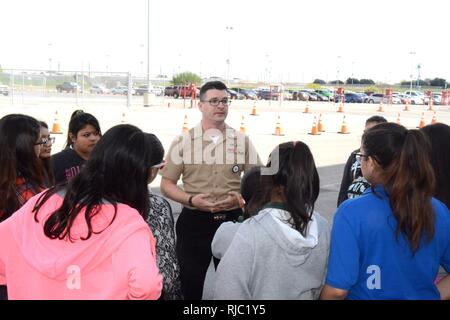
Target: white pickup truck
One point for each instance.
(4, 90)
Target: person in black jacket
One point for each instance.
(83, 134)
(353, 183)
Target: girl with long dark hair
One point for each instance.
(89, 239)
(280, 251)
(21, 173)
(439, 136)
(83, 134)
(389, 243)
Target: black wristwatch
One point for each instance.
(190, 201)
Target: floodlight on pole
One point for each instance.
(148, 46)
(418, 75)
(50, 57)
(410, 85)
(337, 70)
(229, 29)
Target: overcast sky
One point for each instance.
(283, 40)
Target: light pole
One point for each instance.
(107, 62)
(353, 63)
(141, 60)
(337, 70)
(229, 29)
(179, 64)
(410, 85)
(148, 46)
(418, 75)
(267, 70)
(50, 57)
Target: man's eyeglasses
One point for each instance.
(215, 102)
(50, 140)
(358, 156)
(159, 165)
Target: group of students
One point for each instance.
(85, 225)
(386, 242)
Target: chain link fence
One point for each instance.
(24, 85)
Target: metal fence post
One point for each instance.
(11, 84)
(130, 87)
(44, 85)
(76, 90)
(23, 85)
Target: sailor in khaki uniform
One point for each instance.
(210, 160)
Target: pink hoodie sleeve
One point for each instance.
(137, 259)
(2, 273)
(3, 240)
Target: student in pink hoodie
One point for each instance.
(89, 239)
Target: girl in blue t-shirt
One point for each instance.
(389, 243)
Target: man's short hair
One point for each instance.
(218, 85)
(377, 119)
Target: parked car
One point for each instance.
(353, 97)
(374, 98)
(311, 95)
(122, 90)
(403, 98)
(379, 97)
(300, 95)
(99, 89)
(4, 90)
(287, 95)
(179, 91)
(266, 94)
(436, 99)
(326, 92)
(318, 96)
(68, 87)
(235, 95)
(157, 90)
(139, 91)
(413, 99)
(415, 94)
(363, 95)
(409, 99)
(248, 93)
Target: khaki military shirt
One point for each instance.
(211, 161)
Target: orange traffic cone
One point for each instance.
(398, 118)
(314, 130)
(344, 129)
(422, 121)
(380, 107)
(185, 124)
(56, 128)
(341, 106)
(433, 120)
(320, 126)
(242, 129)
(406, 108)
(254, 110)
(278, 131)
(306, 108)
